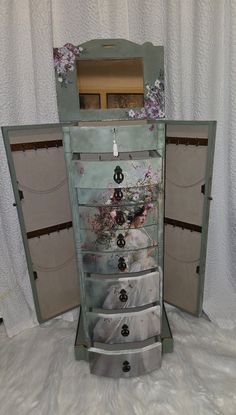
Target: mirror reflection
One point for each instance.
(110, 83)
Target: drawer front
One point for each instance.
(125, 364)
(117, 262)
(119, 293)
(124, 327)
(120, 174)
(117, 196)
(120, 240)
(107, 218)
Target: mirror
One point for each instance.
(110, 83)
(110, 77)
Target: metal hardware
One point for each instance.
(121, 264)
(125, 330)
(126, 366)
(21, 194)
(183, 225)
(36, 145)
(188, 141)
(123, 297)
(35, 275)
(197, 269)
(203, 188)
(118, 194)
(120, 218)
(118, 175)
(48, 230)
(120, 241)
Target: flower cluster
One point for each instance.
(154, 103)
(64, 61)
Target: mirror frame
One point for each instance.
(68, 96)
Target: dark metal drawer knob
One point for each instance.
(120, 241)
(121, 264)
(118, 194)
(118, 175)
(123, 297)
(120, 218)
(126, 366)
(125, 330)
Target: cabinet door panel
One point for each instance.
(36, 161)
(189, 165)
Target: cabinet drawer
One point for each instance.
(120, 240)
(118, 173)
(117, 262)
(124, 327)
(116, 196)
(122, 292)
(107, 218)
(125, 363)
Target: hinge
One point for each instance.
(35, 275)
(197, 269)
(21, 194)
(203, 189)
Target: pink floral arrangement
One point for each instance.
(64, 61)
(154, 103)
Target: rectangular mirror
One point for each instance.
(110, 77)
(110, 83)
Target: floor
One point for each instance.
(39, 376)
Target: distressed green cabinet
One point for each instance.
(119, 243)
(76, 256)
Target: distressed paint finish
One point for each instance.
(102, 224)
(68, 98)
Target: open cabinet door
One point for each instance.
(36, 161)
(189, 164)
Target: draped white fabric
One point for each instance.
(200, 60)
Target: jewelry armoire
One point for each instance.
(114, 208)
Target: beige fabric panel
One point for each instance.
(41, 175)
(53, 258)
(185, 173)
(29, 135)
(187, 130)
(182, 253)
(42, 178)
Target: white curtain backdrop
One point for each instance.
(200, 69)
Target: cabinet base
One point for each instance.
(81, 347)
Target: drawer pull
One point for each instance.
(118, 194)
(120, 241)
(118, 175)
(125, 330)
(123, 297)
(126, 366)
(121, 264)
(120, 218)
